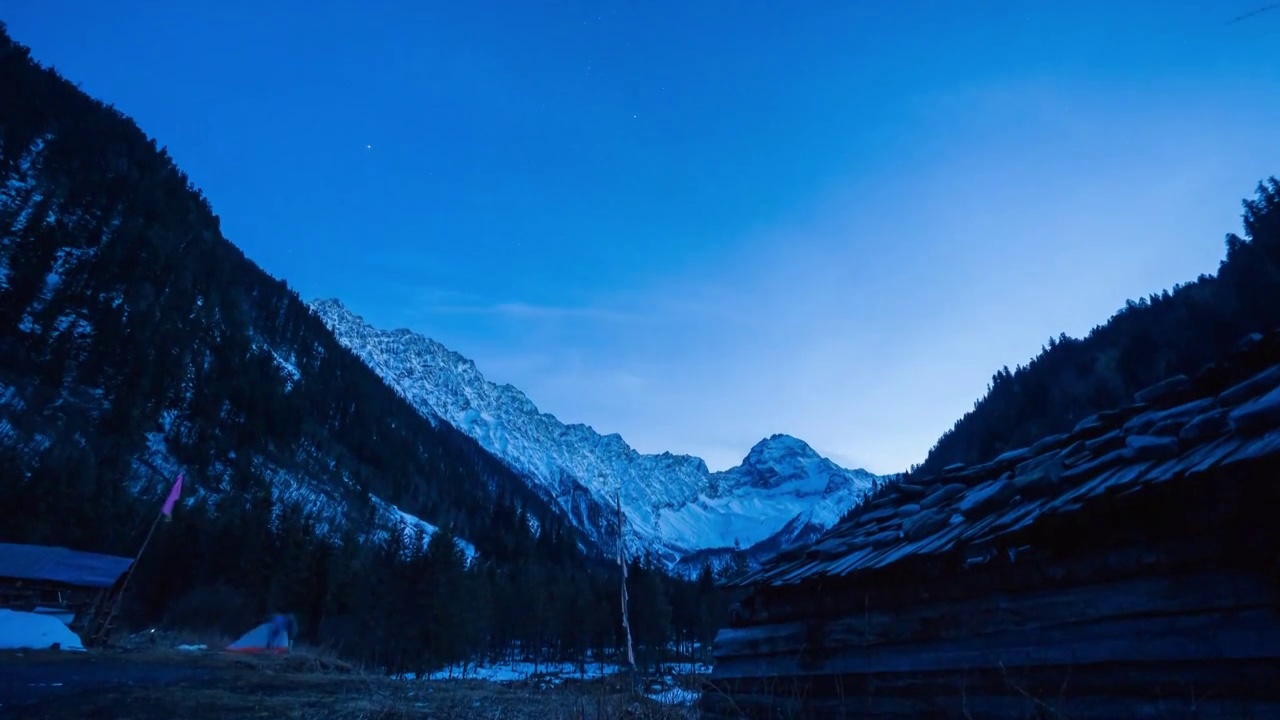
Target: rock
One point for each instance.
(1034, 487)
(1053, 442)
(881, 502)
(1257, 415)
(877, 515)
(1105, 443)
(1075, 454)
(1143, 424)
(1166, 392)
(983, 498)
(1251, 388)
(924, 524)
(1248, 343)
(907, 511)
(1147, 447)
(1209, 425)
(1077, 459)
(1013, 457)
(952, 468)
(942, 495)
(1167, 428)
(882, 539)
(834, 547)
(1040, 482)
(1116, 417)
(973, 474)
(1073, 449)
(1210, 379)
(910, 491)
(1089, 427)
(1036, 463)
(1097, 465)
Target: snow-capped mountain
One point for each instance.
(781, 493)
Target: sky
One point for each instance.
(698, 223)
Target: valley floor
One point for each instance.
(160, 683)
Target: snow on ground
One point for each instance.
(669, 688)
(31, 631)
(675, 696)
(515, 671)
(288, 368)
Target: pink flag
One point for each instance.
(173, 497)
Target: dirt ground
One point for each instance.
(165, 684)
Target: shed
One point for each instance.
(1128, 568)
(70, 584)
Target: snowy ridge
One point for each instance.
(675, 507)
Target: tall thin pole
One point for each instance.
(626, 624)
(115, 603)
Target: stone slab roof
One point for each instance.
(1226, 414)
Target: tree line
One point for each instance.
(1175, 331)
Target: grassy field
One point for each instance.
(161, 684)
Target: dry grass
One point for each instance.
(175, 684)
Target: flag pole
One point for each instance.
(165, 512)
(115, 602)
(626, 624)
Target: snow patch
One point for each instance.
(412, 522)
(32, 631)
(675, 696)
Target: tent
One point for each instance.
(257, 639)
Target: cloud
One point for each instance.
(533, 311)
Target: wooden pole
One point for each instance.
(626, 624)
(115, 603)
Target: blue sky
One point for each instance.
(700, 223)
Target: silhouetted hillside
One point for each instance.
(1177, 331)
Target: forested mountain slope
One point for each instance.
(137, 342)
(1174, 332)
(124, 313)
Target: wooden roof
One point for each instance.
(1226, 414)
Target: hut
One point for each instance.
(1128, 568)
(72, 585)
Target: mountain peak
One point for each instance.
(781, 456)
(779, 443)
(674, 504)
(329, 305)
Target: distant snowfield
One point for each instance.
(751, 515)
